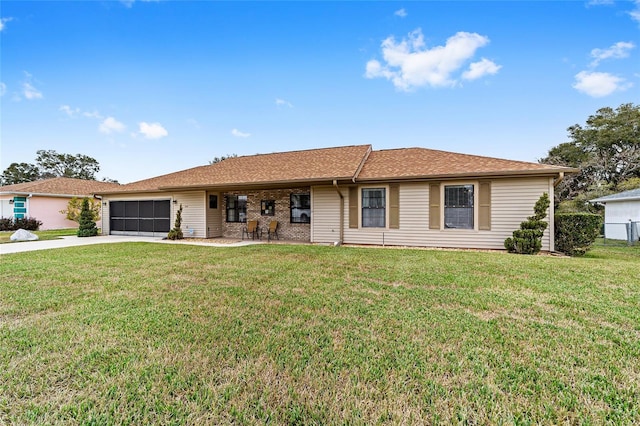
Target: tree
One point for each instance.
(79, 166)
(50, 164)
(528, 239)
(74, 208)
(222, 158)
(176, 232)
(606, 150)
(19, 173)
(87, 226)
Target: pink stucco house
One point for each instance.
(44, 199)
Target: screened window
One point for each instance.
(236, 208)
(458, 206)
(300, 208)
(373, 207)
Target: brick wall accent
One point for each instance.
(286, 229)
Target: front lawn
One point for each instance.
(142, 333)
(52, 234)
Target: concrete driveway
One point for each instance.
(72, 241)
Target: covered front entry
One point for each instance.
(140, 217)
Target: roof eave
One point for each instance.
(496, 174)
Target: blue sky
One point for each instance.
(152, 87)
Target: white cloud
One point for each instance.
(635, 13)
(93, 114)
(599, 84)
(400, 12)
(111, 125)
(282, 102)
(152, 130)
(3, 89)
(480, 69)
(619, 50)
(409, 64)
(71, 112)
(30, 92)
(3, 21)
(600, 2)
(238, 134)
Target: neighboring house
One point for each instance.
(350, 194)
(619, 210)
(44, 199)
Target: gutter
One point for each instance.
(335, 185)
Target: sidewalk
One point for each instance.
(73, 241)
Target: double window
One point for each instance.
(458, 206)
(300, 208)
(373, 207)
(236, 208)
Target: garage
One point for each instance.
(140, 217)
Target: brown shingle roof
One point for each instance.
(60, 186)
(409, 163)
(312, 165)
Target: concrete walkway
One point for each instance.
(73, 241)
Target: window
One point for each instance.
(373, 207)
(213, 201)
(458, 206)
(300, 208)
(268, 207)
(236, 208)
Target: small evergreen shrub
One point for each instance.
(87, 226)
(575, 233)
(176, 232)
(27, 223)
(528, 239)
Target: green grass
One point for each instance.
(52, 234)
(144, 333)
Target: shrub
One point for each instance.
(6, 224)
(176, 232)
(27, 223)
(528, 239)
(576, 232)
(87, 226)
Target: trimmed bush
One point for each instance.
(176, 232)
(87, 226)
(528, 239)
(27, 223)
(575, 233)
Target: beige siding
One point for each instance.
(512, 201)
(325, 214)
(193, 209)
(193, 213)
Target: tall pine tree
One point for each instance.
(88, 226)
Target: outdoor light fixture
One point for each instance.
(175, 201)
(11, 201)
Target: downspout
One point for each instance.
(559, 179)
(335, 185)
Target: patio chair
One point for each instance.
(272, 230)
(251, 229)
